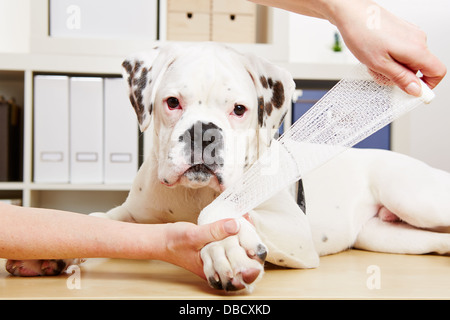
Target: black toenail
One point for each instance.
(230, 287)
(215, 284)
(261, 252)
(61, 265)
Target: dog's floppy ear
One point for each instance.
(143, 73)
(274, 88)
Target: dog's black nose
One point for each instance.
(203, 144)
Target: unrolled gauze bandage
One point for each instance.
(357, 106)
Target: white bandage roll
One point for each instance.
(357, 106)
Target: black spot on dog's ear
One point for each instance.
(127, 66)
(129, 69)
(138, 107)
(268, 107)
(278, 95)
(150, 109)
(137, 66)
(138, 99)
(137, 81)
(263, 81)
(141, 81)
(260, 111)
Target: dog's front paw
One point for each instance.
(34, 268)
(237, 262)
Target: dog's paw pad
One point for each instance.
(34, 268)
(249, 276)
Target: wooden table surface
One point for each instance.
(352, 274)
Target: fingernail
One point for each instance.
(414, 89)
(231, 226)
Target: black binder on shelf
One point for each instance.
(11, 141)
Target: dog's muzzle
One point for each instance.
(203, 151)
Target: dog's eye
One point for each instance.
(173, 103)
(239, 110)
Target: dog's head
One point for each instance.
(212, 110)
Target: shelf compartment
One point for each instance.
(11, 125)
(12, 196)
(80, 201)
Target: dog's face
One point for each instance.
(213, 110)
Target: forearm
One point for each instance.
(28, 233)
(324, 9)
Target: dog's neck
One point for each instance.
(172, 204)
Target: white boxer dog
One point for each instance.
(209, 113)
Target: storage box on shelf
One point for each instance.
(233, 21)
(217, 20)
(188, 20)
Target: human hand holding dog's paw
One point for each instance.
(183, 242)
(236, 262)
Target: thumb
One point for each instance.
(218, 230)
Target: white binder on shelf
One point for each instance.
(86, 130)
(121, 134)
(51, 129)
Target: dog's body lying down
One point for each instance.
(210, 112)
